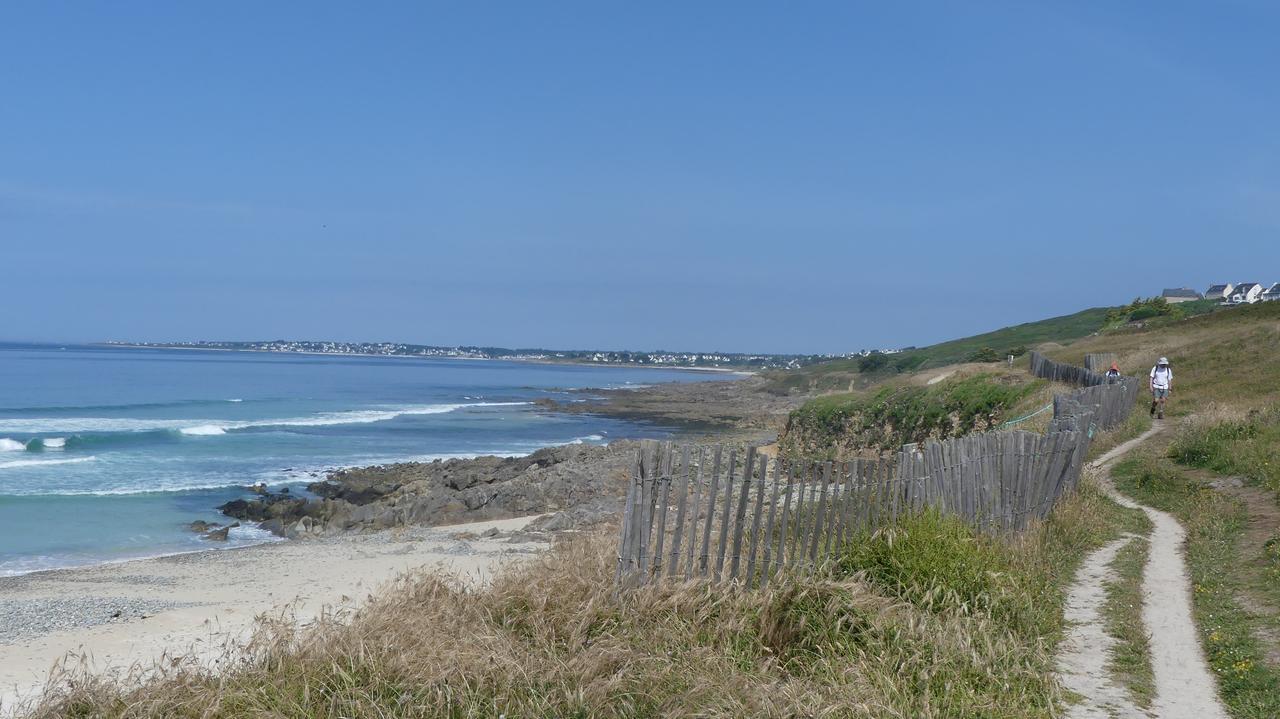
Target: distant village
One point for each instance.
(1244, 293)
(660, 358)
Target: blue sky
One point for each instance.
(738, 176)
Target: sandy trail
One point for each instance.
(219, 594)
(1082, 656)
(1184, 685)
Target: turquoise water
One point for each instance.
(109, 453)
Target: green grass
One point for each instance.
(847, 375)
(831, 425)
(1213, 521)
(1130, 662)
(1247, 447)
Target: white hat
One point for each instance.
(1163, 360)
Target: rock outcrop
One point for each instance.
(583, 482)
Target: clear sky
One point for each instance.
(794, 177)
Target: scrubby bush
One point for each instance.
(986, 354)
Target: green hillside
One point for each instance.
(859, 372)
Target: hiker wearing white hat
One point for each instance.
(1161, 385)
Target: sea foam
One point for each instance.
(203, 430)
(11, 445)
(35, 425)
(44, 462)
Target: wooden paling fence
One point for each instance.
(741, 516)
(1109, 400)
(1042, 366)
(1099, 361)
(1107, 404)
(736, 515)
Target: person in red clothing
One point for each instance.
(1113, 374)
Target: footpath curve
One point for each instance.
(1184, 685)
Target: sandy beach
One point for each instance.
(117, 615)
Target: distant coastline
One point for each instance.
(745, 369)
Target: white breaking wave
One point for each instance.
(203, 429)
(44, 462)
(11, 445)
(124, 424)
(588, 438)
(235, 400)
(54, 442)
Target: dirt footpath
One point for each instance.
(1184, 685)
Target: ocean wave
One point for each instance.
(44, 462)
(121, 407)
(11, 445)
(203, 430)
(132, 490)
(52, 442)
(38, 425)
(588, 438)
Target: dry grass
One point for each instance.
(1227, 357)
(925, 620)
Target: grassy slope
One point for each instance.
(1227, 370)
(898, 413)
(844, 374)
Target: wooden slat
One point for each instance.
(820, 516)
(624, 538)
(646, 508)
(865, 472)
(767, 563)
(724, 519)
(763, 471)
(784, 536)
(800, 517)
(681, 495)
(704, 564)
(739, 523)
(831, 515)
(693, 519)
(664, 501)
(842, 507)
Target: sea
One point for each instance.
(110, 453)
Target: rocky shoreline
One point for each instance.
(574, 485)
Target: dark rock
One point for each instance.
(202, 526)
(217, 535)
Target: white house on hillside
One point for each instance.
(1273, 294)
(1245, 293)
(1220, 292)
(1180, 294)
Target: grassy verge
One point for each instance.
(1248, 447)
(1213, 522)
(897, 414)
(1131, 656)
(927, 619)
